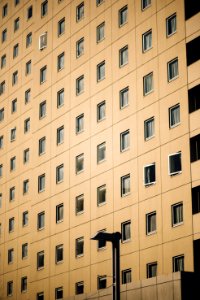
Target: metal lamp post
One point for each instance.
(114, 238)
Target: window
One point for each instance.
(61, 26)
(28, 39)
(3, 61)
(40, 220)
(9, 288)
(178, 263)
(101, 111)
(59, 173)
(40, 260)
(15, 50)
(59, 293)
(16, 24)
(193, 98)
(43, 74)
(60, 135)
(177, 214)
(79, 204)
(24, 284)
(192, 52)
(80, 85)
(147, 41)
(59, 254)
(101, 195)
(14, 106)
(1, 170)
(29, 12)
(174, 163)
(101, 282)
(59, 212)
(101, 152)
(60, 98)
(149, 174)
(27, 123)
(15, 78)
(13, 163)
(172, 69)
(2, 87)
(1, 197)
(1, 141)
(4, 35)
(101, 244)
(80, 12)
(196, 199)
(42, 144)
(101, 71)
(26, 156)
(42, 109)
(40, 296)
(79, 247)
(191, 9)
(1, 114)
(126, 231)
(41, 183)
(124, 140)
(10, 255)
(195, 148)
(44, 8)
(25, 186)
(100, 32)
(149, 128)
(11, 224)
(16, 2)
(145, 4)
(28, 67)
(79, 287)
(27, 96)
(125, 185)
(123, 15)
(79, 123)
(13, 134)
(99, 2)
(5, 10)
(147, 84)
(123, 56)
(174, 115)
(12, 194)
(171, 25)
(43, 41)
(79, 163)
(25, 218)
(152, 270)
(151, 223)
(60, 61)
(80, 47)
(126, 276)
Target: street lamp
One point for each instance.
(114, 238)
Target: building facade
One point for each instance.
(99, 131)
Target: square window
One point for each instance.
(196, 200)
(60, 135)
(79, 204)
(174, 163)
(42, 109)
(101, 244)
(125, 185)
(80, 12)
(29, 12)
(171, 25)
(10, 255)
(152, 270)
(15, 50)
(2, 87)
(145, 4)
(28, 39)
(59, 254)
(16, 24)
(151, 223)
(80, 47)
(40, 220)
(79, 247)
(101, 111)
(60, 61)
(28, 68)
(79, 163)
(101, 152)
(41, 183)
(178, 263)
(60, 98)
(149, 128)
(79, 123)
(11, 224)
(43, 74)
(172, 69)
(1, 141)
(59, 173)
(1, 114)
(101, 195)
(61, 26)
(14, 106)
(147, 41)
(101, 71)
(24, 284)
(101, 282)
(15, 78)
(40, 296)
(9, 288)
(27, 124)
(44, 8)
(25, 218)
(100, 32)
(26, 156)
(27, 96)
(174, 115)
(25, 186)
(123, 56)
(12, 194)
(126, 276)
(149, 174)
(124, 140)
(42, 144)
(79, 287)
(40, 260)
(123, 15)
(5, 10)
(80, 85)
(59, 293)
(123, 96)
(177, 214)
(126, 231)
(3, 61)
(148, 84)
(59, 213)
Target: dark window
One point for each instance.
(151, 223)
(28, 39)
(79, 204)
(24, 250)
(171, 25)
(59, 253)
(14, 106)
(42, 109)
(152, 270)
(15, 78)
(101, 244)
(59, 212)
(60, 135)
(192, 51)
(44, 8)
(40, 220)
(195, 148)
(25, 186)
(80, 85)
(60, 98)
(15, 50)
(177, 214)
(98, 2)
(59, 173)
(3, 61)
(145, 3)
(9, 288)
(80, 12)
(12, 193)
(191, 8)
(10, 255)
(43, 74)
(101, 111)
(194, 98)
(16, 24)
(41, 183)
(196, 200)
(40, 296)
(23, 284)
(123, 56)
(59, 293)
(80, 47)
(30, 12)
(101, 71)
(28, 68)
(26, 156)
(61, 26)
(79, 247)
(5, 10)
(1, 114)
(101, 195)
(126, 276)
(11, 224)
(175, 163)
(101, 282)
(196, 249)
(125, 185)
(123, 15)
(79, 287)
(79, 123)
(79, 163)
(4, 35)
(149, 174)
(100, 31)
(41, 146)
(25, 218)
(27, 96)
(27, 123)
(40, 259)
(60, 61)
(178, 263)
(126, 231)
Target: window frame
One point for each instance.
(101, 71)
(9, 288)
(144, 35)
(61, 27)
(174, 258)
(41, 188)
(28, 68)
(3, 61)
(16, 24)
(99, 36)
(145, 78)
(42, 146)
(79, 242)
(60, 135)
(99, 111)
(40, 264)
(27, 125)
(10, 256)
(25, 218)
(59, 173)
(100, 279)
(169, 64)
(150, 271)
(28, 39)
(170, 115)
(24, 250)
(81, 285)
(60, 96)
(11, 224)
(125, 239)
(29, 12)
(25, 186)
(44, 8)
(101, 152)
(80, 50)
(148, 222)
(79, 13)
(146, 184)
(123, 178)
(79, 198)
(15, 78)
(122, 22)
(41, 220)
(81, 158)
(79, 85)
(123, 61)
(80, 123)
(61, 61)
(101, 189)
(175, 172)
(124, 147)
(59, 250)
(168, 19)
(175, 222)
(42, 109)
(146, 6)
(4, 35)
(57, 290)
(59, 213)
(43, 74)
(124, 274)
(24, 284)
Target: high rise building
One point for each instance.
(99, 131)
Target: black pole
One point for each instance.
(114, 270)
(117, 270)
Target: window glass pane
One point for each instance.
(148, 83)
(174, 115)
(171, 24)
